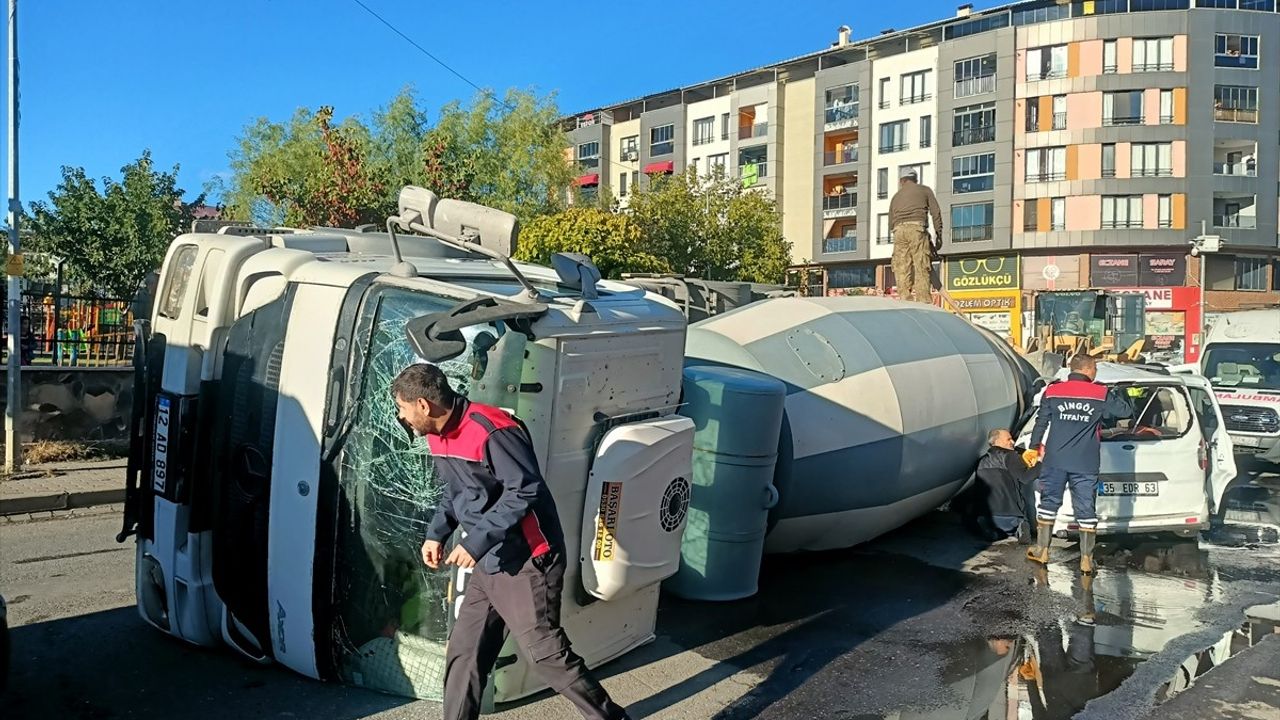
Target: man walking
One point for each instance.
(1072, 412)
(495, 493)
(911, 207)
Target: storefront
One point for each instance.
(1172, 309)
(986, 291)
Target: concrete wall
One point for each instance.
(798, 157)
(81, 404)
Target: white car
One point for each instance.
(1166, 468)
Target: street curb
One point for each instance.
(60, 501)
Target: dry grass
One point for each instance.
(58, 451)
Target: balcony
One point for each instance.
(589, 163)
(1153, 67)
(1238, 115)
(662, 148)
(840, 157)
(838, 206)
(748, 132)
(841, 244)
(1244, 222)
(1236, 60)
(1046, 74)
(972, 233)
(916, 99)
(841, 116)
(603, 117)
(975, 86)
(1244, 169)
(1147, 172)
(885, 149)
(972, 136)
(1046, 177)
(1121, 120)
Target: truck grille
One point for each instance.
(1243, 418)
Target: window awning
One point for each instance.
(588, 180)
(659, 167)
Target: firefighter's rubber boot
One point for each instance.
(1044, 535)
(1089, 616)
(1087, 540)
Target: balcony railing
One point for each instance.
(885, 239)
(843, 205)
(704, 140)
(1108, 172)
(970, 136)
(1110, 69)
(1116, 120)
(845, 155)
(845, 115)
(1046, 177)
(1165, 223)
(1060, 121)
(1121, 224)
(1247, 169)
(971, 233)
(882, 193)
(1248, 62)
(893, 148)
(1046, 74)
(662, 148)
(1240, 115)
(1151, 172)
(884, 104)
(589, 163)
(1248, 222)
(761, 169)
(844, 243)
(975, 86)
(1153, 67)
(747, 132)
(1166, 119)
(914, 99)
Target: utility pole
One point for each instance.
(13, 404)
(1201, 246)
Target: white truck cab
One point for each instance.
(279, 506)
(1241, 359)
(1166, 468)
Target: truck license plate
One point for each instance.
(160, 471)
(1248, 441)
(1130, 488)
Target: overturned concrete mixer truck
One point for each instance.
(279, 506)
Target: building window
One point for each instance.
(1236, 51)
(915, 88)
(851, 277)
(1109, 160)
(1033, 114)
(704, 130)
(893, 136)
(1151, 160)
(1121, 211)
(884, 93)
(662, 140)
(974, 124)
(588, 194)
(1046, 12)
(589, 154)
(973, 173)
(717, 164)
(882, 183)
(883, 234)
(1109, 66)
(842, 104)
(1251, 273)
(920, 169)
(1031, 215)
(628, 148)
(1058, 213)
(622, 184)
(1046, 63)
(972, 223)
(1165, 204)
(1263, 5)
(926, 131)
(981, 24)
(975, 76)
(1122, 108)
(724, 126)
(1059, 112)
(1153, 54)
(1235, 103)
(1046, 164)
(1166, 107)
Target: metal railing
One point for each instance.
(71, 331)
(1247, 222)
(975, 86)
(845, 155)
(1110, 69)
(1120, 120)
(747, 132)
(1121, 224)
(1049, 74)
(972, 233)
(1153, 67)
(893, 148)
(840, 202)
(971, 136)
(915, 99)
(1108, 172)
(1240, 115)
(1166, 119)
(885, 239)
(1046, 177)
(843, 243)
(704, 140)
(884, 104)
(1151, 172)
(1239, 168)
(1060, 121)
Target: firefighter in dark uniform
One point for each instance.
(495, 494)
(1071, 412)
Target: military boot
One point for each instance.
(1088, 538)
(1044, 535)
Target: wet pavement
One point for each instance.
(925, 623)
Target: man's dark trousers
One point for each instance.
(528, 603)
(1084, 496)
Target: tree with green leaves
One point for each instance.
(611, 240)
(712, 228)
(312, 170)
(110, 239)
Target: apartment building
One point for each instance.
(1072, 144)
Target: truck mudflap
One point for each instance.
(139, 503)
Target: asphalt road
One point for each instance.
(925, 622)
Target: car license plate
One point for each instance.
(1130, 488)
(160, 465)
(1248, 441)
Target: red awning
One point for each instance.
(592, 179)
(659, 167)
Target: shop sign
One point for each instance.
(1000, 272)
(1107, 271)
(1162, 270)
(974, 304)
(1157, 298)
(997, 322)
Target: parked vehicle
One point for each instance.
(1241, 359)
(1166, 468)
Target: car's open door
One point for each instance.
(1221, 451)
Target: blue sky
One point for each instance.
(101, 81)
